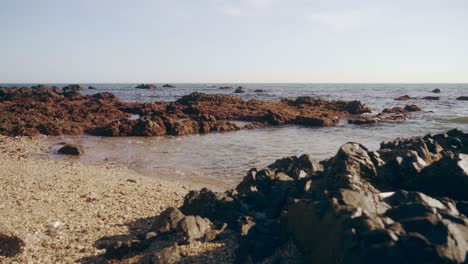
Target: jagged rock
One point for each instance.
(437, 90)
(70, 149)
(191, 228)
(10, 245)
(168, 220)
(146, 86)
(351, 164)
(168, 255)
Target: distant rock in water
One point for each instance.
(259, 91)
(168, 86)
(239, 89)
(404, 98)
(388, 114)
(431, 98)
(412, 108)
(146, 86)
(91, 88)
(462, 98)
(69, 149)
(437, 90)
(226, 87)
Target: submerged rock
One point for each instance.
(146, 86)
(70, 149)
(437, 90)
(412, 108)
(431, 98)
(168, 86)
(404, 98)
(462, 98)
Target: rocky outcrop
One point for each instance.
(168, 86)
(403, 203)
(388, 114)
(146, 86)
(437, 90)
(52, 111)
(462, 98)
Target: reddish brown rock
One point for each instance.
(51, 111)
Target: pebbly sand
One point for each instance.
(60, 208)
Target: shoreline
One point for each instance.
(60, 208)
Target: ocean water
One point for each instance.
(221, 159)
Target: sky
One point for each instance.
(239, 41)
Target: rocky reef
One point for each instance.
(46, 110)
(403, 203)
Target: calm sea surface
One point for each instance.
(223, 158)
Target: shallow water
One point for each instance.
(223, 158)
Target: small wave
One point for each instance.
(458, 120)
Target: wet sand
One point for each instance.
(60, 208)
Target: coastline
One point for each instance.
(60, 208)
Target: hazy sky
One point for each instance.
(233, 41)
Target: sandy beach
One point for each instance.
(60, 208)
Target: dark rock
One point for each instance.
(117, 247)
(259, 90)
(168, 255)
(10, 245)
(146, 86)
(191, 228)
(437, 90)
(412, 108)
(69, 149)
(462, 98)
(168, 220)
(404, 98)
(239, 90)
(431, 98)
(91, 88)
(226, 87)
(168, 86)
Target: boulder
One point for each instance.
(437, 90)
(462, 98)
(168, 86)
(70, 149)
(146, 86)
(259, 90)
(191, 228)
(412, 108)
(404, 98)
(91, 88)
(239, 89)
(168, 220)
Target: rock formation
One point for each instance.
(404, 203)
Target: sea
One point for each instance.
(222, 159)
